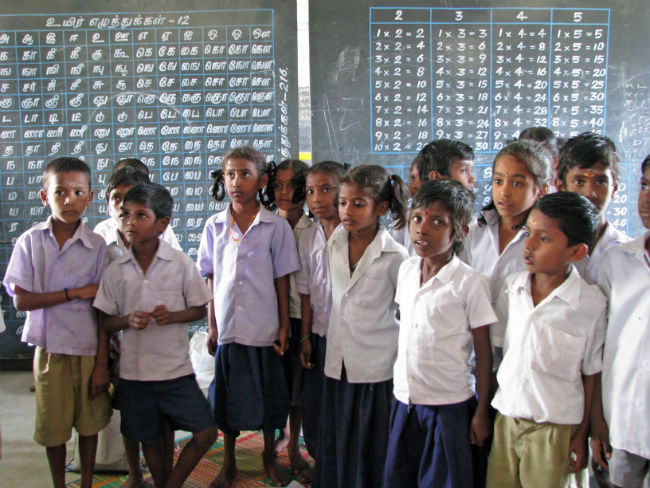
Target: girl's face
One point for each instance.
(513, 187)
(432, 232)
(358, 211)
(414, 179)
(321, 192)
(283, 190)
(242, 180)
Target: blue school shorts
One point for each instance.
(144, 404)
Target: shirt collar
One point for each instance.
(446, 273)
(304, 222)
(82, 232)
(264, 215)
(164, 251)
(636, 247)
(568, 291)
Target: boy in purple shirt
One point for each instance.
(53, 274)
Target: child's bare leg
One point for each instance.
(56, 459)
(191, 455)
(155, 461)
(226, 476)
(271, 467)
(167, 448)
(87, 450)
(298, 463)
(132, 450)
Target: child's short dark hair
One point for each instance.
(299, 169)
(337, 170)
(543, 135)
(381, 186)
(132, 163)
(576, 216)
(456, 199)
(126, 175)
(65, 165)
(586, 150)
(218, 186)
(439, 155)
(645, 163)
(152, 195)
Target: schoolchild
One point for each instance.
(447, 158)
(126, 174)
(150, 294)
(620, 437)
(589, 166)
(287, 184)
(546, 137)
(53, 274)
(445, 310)
(363, 260)
(314, 284)
(554, 325)
(494, 245)
(247, 253)
(401, 235)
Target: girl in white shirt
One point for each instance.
(494, 245)
(364, 261)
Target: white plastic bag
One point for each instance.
(202, 361)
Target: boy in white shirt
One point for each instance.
(625, 277)
(552, 350)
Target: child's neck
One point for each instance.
(144, 252)
(329, 225)
(542, 284)
(63, 231)
(292, 216)
(432, 265)
(602, 226)
(244, 214)
(508, 229)
(127, 244)
(358, 242)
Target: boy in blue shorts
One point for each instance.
(620, 432)
(151, 293)
(552, 350)
(53, 274)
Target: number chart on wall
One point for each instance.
(175, 87)
(481, 74)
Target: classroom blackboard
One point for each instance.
(174, 83)
(389, 76)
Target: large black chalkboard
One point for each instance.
(174, 83)
(389, 76)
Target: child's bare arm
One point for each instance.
(578, 447)
(480, 427)
(162, 316)
(305, 344)
(100, 379)
(114, 323)
(26, 300)
(213, 334)
(599, 431)
(282, 291)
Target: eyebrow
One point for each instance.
(516, 175)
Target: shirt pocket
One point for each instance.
(556, 352)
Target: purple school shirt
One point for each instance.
(38, 265)
(243, 270)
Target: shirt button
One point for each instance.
(644, 364)
(239, 307)
(241, 283)
(637, 403)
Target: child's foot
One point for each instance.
(134, 482)
(283, 439)
(273, 471)
(300, 466)
(225, 478)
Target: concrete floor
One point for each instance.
(23, 461)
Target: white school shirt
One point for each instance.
(158, 352)
(243, 272)
(109, 230)
(363, 328)
(313, 278)
(295, 312)
(589, 266)
(481, 252)
(625, 278)
(547, 348)
(403, 237)
(435, 336)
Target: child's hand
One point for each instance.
(161, 315)
(139, 320)
(99, 381)
(480, 428)
(85, 292)
(213, 337)
(578, 452)
(280, 345)
(599, 440)
(305, 354)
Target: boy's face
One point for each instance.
(432, 231)
(546, 248)
(644, 198)
(461, 171)
(138, 223)
(68, 194)
(414, 179)
(595, 184)
(115, 200)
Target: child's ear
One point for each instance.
(91, 194)
(382, 208)
(435, 175)
(578, 252)
(43, 194)
(161, 224)
(559, 184)
(465, 230)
